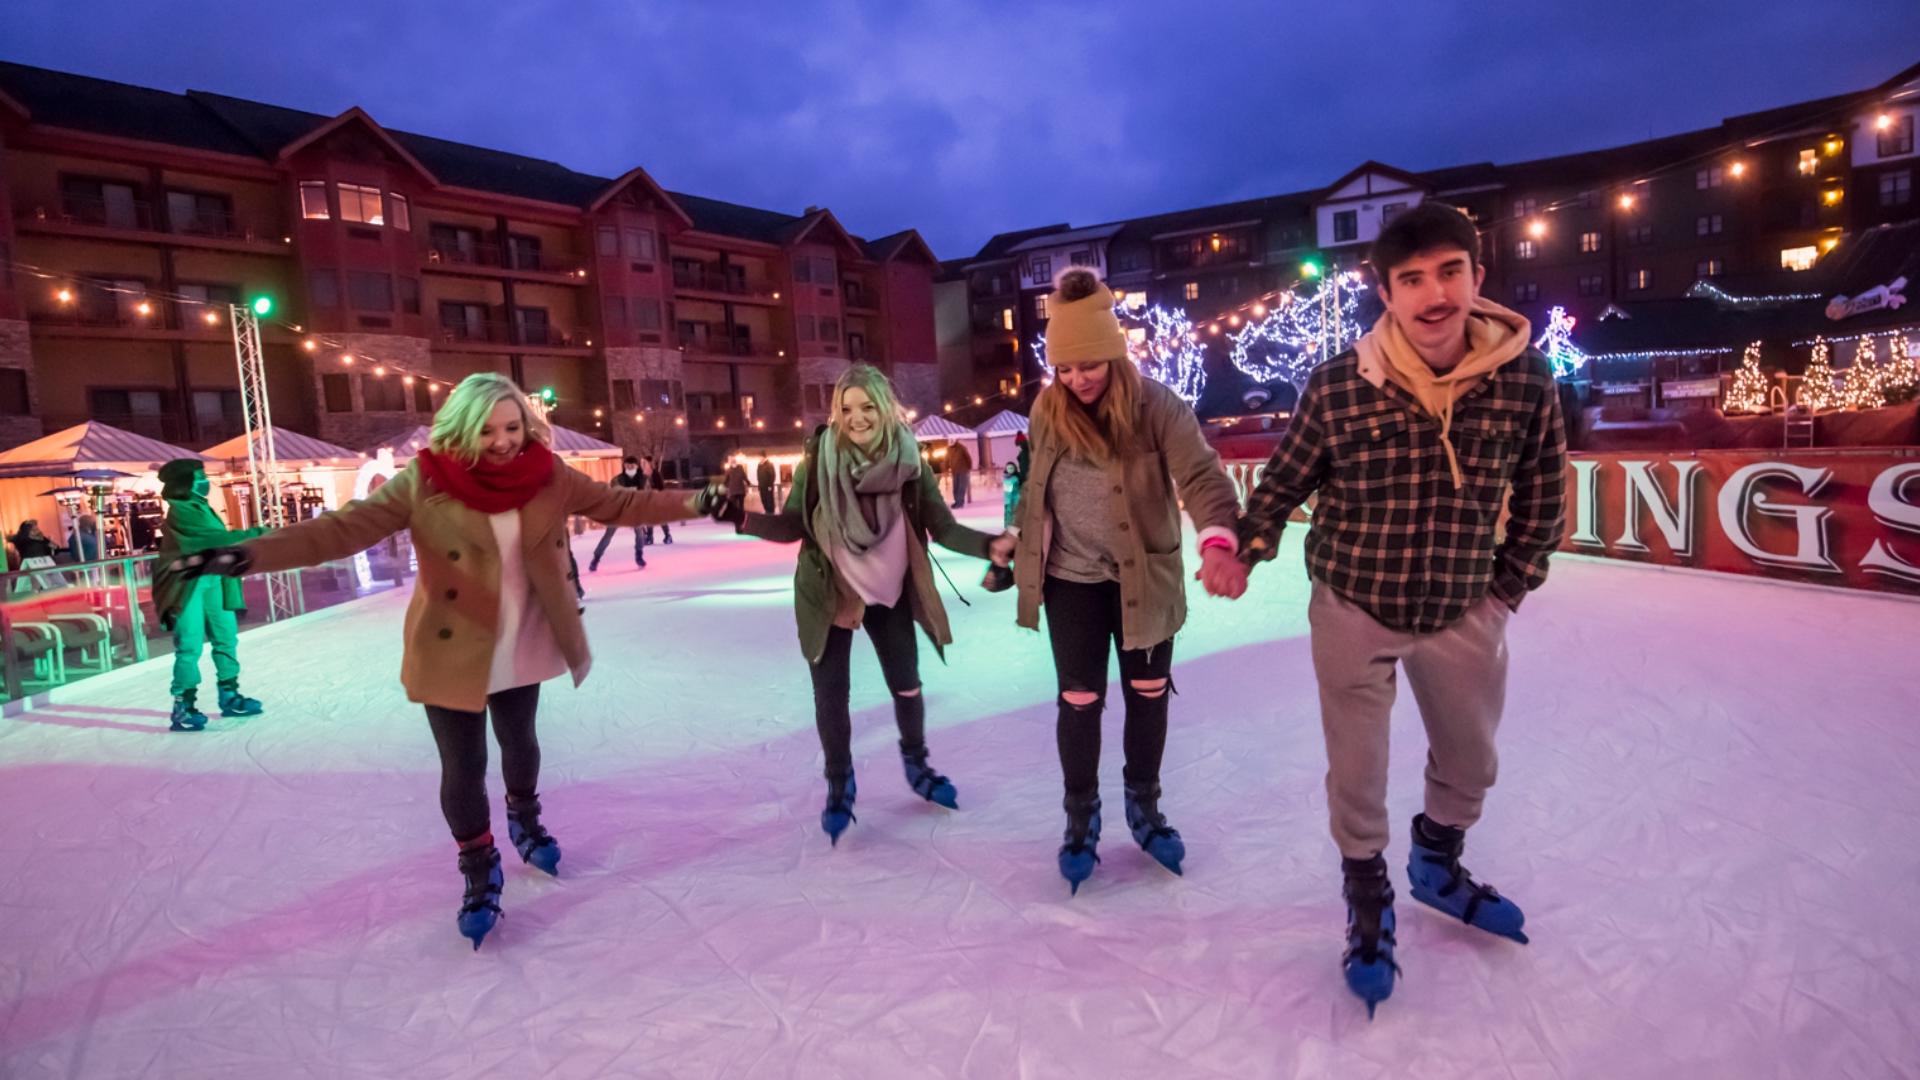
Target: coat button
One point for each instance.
(1118, 490)
(453, 556)
(1123, 526)
(445, 634)
(453, 594)
(559, 543)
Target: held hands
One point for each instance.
(1000, 549)
(221, 561)
(714, 502)
(1222, 573)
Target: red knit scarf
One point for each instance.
(488, 488)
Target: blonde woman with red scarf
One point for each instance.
(493, 612)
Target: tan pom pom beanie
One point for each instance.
(1081, 326)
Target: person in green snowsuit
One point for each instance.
(201, 608)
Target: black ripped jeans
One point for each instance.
(891, 630)
(462, 738)
(1083, 622)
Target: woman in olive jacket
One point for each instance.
(493, 613)
(863, 507)
(1099, 529)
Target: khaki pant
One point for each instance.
(1459, 678)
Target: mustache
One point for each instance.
(1438, 312)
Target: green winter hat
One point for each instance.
(176, 477)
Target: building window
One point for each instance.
(1897, 139)
(1040, 269)
(1040, 308)
(824, 272)
(454, 243)
(362, 204)
(1525, 249)
(998, 285)
(1592, 285)
(1639, 280)
(1526, 293)
(1799, 258)
(323, 289)
(383, 393)
(1589, 243)
(646, 314)
(533, 326)
(829, 329)
(523, 252)
(804, 324)
(1346, 226)
(622, 395)
(402, 214)
(1392, 210)
(802, 268)
(1640, 234)
(1525, 208)
(422, 397)
(463, 322)
(313, 200)
(367, 291)
(1896, 188)
(1809, 162)
(640, 244)
(1708, 268)
(1006, 318)
(1707, 225)
(1711, 176)
(204, 215)
(660, 393)
(1191, 290)
(606, 241)
(338, 390)
(1126, 260)
(1082, 258)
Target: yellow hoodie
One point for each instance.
(1495, 336)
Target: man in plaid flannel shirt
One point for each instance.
(1413, 442)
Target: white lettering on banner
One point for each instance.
(1884, 499)
(1674, 520)
(1810, 522)
(1586, 496)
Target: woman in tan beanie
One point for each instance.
(1099, 545)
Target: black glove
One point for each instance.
(998, 579)
(720, 506)
(221, 561)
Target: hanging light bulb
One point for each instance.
(346, 358)
(211, 318)
(64, 295)
(310, 345)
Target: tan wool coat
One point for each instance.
(451, 623)
(1169, 456)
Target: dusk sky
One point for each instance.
(966, 117)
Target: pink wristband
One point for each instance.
(1219, 542)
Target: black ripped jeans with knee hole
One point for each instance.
(1083, 623)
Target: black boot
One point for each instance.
(1368, 961)
(1149, 826)
(536, 845)
(480, 907)
(838, 813)
(1078, 846)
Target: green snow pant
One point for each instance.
(204, 615)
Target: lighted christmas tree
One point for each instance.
(1748, 394)
(1898, 378)
(1816, 387)
(1862, 387)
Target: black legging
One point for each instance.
(462, 738)
(1083, 620)
(891, 630)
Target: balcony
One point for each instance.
(710, 339)
(112, 321)
(706, 278)
(858, 299)
(507, 337)
(494, 261)
(137, 219)
(736, 422)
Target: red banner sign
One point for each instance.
(1842, 518)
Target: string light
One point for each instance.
(346, 358)
(65, 296)
(143, 308)
(1557, 342)
(1739, 169)
(1898, 378)
(379, 369)
(211, 318)
(1626, 202)
(1816, 387)
(1707, 290)
(1536, 228)
(1861, 390)
(1287, 344)
(310, 345)
(1161, 343)
(1748, 394)
(1882, 122)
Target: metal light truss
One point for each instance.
(284, 594)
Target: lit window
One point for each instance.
(1041, 269)
(1525, 249)
(1589, 242)
(313, 200)
(1707, 225)
(1809, 162)
(1006, 318)
(1640, 280)
(1799, 258)
(1192, 290)
(360, 204)
(1524, 208)
(1707, 268)
(1896, 138)
(402, 217)
(1710, 177)
(1040, 307)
